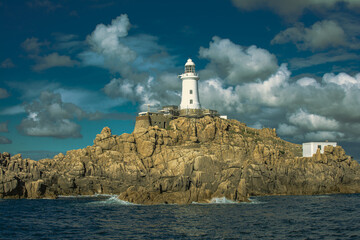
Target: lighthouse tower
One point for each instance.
(190, 93)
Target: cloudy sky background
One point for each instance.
(69, 69)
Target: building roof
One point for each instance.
(189, 62)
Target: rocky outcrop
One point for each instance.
(194, 160)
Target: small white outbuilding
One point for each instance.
(310, 148)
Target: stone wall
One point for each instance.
(142, 122)
(162, 121)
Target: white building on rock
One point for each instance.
(190, 92)
(310, 148)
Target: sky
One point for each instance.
(70, 68)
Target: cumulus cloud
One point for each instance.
(324, 135)
(307, 81)
(292, 9)
(343, 79)
(142, 63)
(299, 109)
(53, 60)
(243, 82)
(310, 121)
(5, 140)
(164, 90)
(51, 117)
(245, 98)
(7, 63)
(319, 36)
(236, 64)
(105, 42)
(3, 93)
(135, 92)
(247, 84)
(287, 130)
(112, 48)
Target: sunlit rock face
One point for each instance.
(194, 160)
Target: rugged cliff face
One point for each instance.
(192, 160)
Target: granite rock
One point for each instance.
(194, 160)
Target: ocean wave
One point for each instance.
(113, 200)
(221, 200)
(253, 201)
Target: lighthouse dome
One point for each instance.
(189, 62)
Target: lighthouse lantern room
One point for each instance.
(190, 93)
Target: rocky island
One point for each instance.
(192, 160)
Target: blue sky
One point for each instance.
(70, 68)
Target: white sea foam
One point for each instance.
(222, 200)
(253, 201)
(113, 200)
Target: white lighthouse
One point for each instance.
(190, 93)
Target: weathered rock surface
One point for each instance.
(195, 160)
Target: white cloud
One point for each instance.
(292, 9)
(319, 36)
(342, 79)
(309, 121)
(243, 82)
(299, 109)
(127, 89)
(105, 41)
(307, 81)
(236, 64)
(51, 117)
(268, 92)
(287, 130)
(324, 135)
(112, 48)
(214, 95)
(53, 60)
(142, 63)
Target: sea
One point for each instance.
(107, 217)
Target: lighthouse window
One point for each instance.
(191, 101)
(189, 69)
(190, 91)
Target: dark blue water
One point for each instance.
(281, 217)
